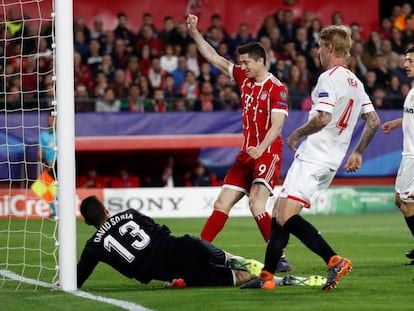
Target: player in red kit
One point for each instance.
(264, 110)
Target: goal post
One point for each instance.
(66, 144)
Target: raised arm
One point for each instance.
(205, 49)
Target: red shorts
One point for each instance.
(246, 171)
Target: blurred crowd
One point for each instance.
(157, 70)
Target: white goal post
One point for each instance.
(66, 144)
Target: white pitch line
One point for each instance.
(116, 302)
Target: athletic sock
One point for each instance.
(264, 222)
(213, 225)
(410, 223)
(274, 250)
(309, 236)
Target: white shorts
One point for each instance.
(305, 181)
(404, 184)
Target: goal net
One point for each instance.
(28, 176)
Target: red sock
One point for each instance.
(264, 222)
(213, 225)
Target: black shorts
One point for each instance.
(198, 262)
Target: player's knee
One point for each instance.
(242, 277)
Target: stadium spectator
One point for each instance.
(100, 84)
(379, 67)
(168, 34)
(298, 88)
(147, 91)
(190, 88)
(390, 57)
(135, 101)
(206, 100)
(144, 60)
(147, 20)
(183, 38)
(404, 183)
(90, 180)
(81, 45)
(159, 104)
(108, 42)
(262, 141)
(371, 48)
(400, 21)
(337, 18)
(120, 84)
(217, 23)
(302, 44)
(357, 67)
(200, 176)
(151, 252)
(169, 61)
(271, 56)
(149, 38)
(385, 29)
(169, 88)
(192, 59)
(393, 93)
(215, 37)
(97, 31)
(83, 102)
(371, 82)
(229, 99)
(125, 179)
(107, 68)
(83, 73)
(120, 54)
(80, 25)
(156, 74)
(397, 41)
(179, 104)
(123, 31)
(94, 57)
(243, 36)
(180, 71)
(266, 27)
(319, 156)
(132, 72)
(108, 103)
(288, 26)
(206, 74)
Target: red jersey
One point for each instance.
(259, 100)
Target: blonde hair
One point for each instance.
(340, 38)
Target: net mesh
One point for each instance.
(28, 226)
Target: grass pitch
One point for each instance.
(375, 243)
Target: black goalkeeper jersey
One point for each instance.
(129, 242)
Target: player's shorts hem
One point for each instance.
(305, 203)
(233, 187)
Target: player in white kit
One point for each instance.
(404, 184)
(338, 100)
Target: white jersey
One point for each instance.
(408, 125)
(339, 92)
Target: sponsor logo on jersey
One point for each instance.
(409, 110)
(323, 94)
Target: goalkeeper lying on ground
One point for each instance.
(137, 247)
